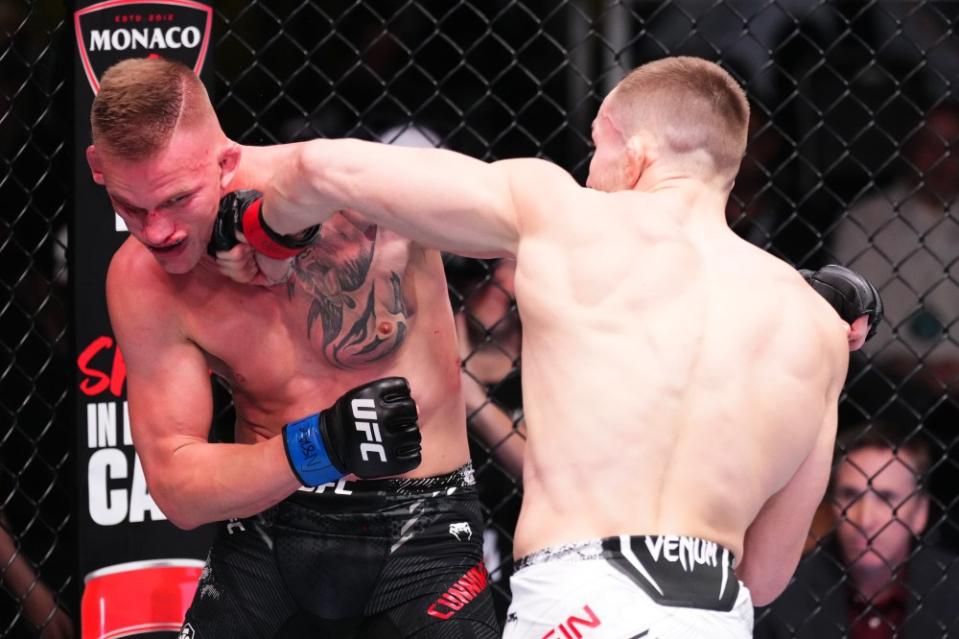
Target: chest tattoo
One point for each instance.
(357, 312)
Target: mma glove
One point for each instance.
(849, 293)
(242, 212)
(371, 431)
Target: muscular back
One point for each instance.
(675, 377)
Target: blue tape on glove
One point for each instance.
(307, 453)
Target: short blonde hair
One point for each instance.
(688, 104)
(141, 102)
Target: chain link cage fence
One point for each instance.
(36, 436)
(851, 159)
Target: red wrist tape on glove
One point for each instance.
(258, 237)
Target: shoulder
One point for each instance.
(538, 185)
(536, 169)
(809, 327)
(132, 272)
(789, 287)
(832, 333)
(139, 292)
(813, 309)
(549, 201)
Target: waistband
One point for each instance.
(462, 477)
(673, 570)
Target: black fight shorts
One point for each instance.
(382, 559)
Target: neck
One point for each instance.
(698, 196)
(208, 264)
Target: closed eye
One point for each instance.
(179, 199)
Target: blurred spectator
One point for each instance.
(875, 578)
(490, 336)
(489, 333)
(42, 617)
(905, 239)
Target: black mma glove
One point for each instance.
(850, 294)
(370, 431)
(241, 211)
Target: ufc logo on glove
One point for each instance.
(365, 409)
(352, 436)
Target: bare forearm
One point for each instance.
(297, 196)
(201, 483)
(17, 574)
(22, 581)
(439, 198)
(772, 549)
(768, 577)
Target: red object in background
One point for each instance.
(138, 599)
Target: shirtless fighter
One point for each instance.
(350, 558)
(680, 385)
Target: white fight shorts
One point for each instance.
(657, 587)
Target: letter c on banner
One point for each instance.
(107, 507)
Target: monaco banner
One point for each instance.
(119, 525)
(115, 30)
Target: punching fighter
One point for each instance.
(320, 371)
(680, 385)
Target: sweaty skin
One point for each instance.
(676, 379)
(363, 303)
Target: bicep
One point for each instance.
(436, 197)
(439, 198)
(168, 384)
(171, 403)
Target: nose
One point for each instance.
(869, 514)
(157, 228)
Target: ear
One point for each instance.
(96, 167)
(637, 152)
(229, 161)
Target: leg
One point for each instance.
(435, 585)
(240, 594)
(475, 620)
